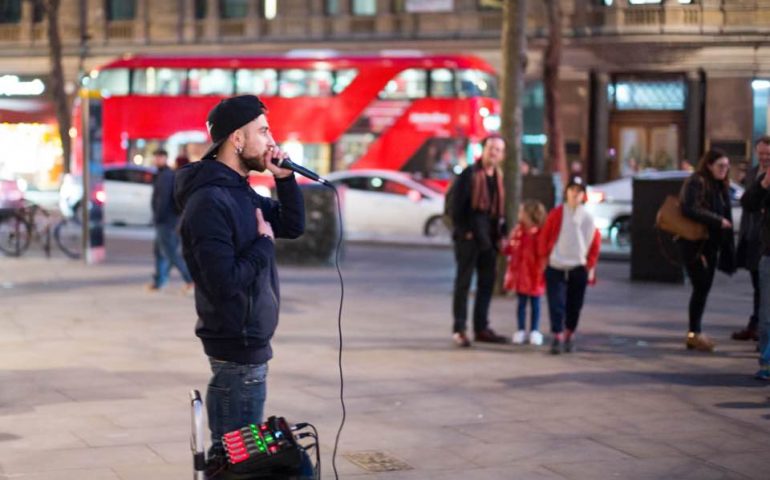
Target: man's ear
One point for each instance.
(237, 137)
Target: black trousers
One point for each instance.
(754, 319)
(566, 290)
(469, 259)
(701, 272)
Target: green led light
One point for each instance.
(268, 438)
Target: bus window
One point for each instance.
(111, 82)
(257, 82)
(442, 83)
(159, 81)
(342, 79)
(215, 81)
(305, 83)
(411, 83)
(475, 83)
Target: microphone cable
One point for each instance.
(339, 329)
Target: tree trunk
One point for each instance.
(514, 47)
(556, 158)
(61, 101)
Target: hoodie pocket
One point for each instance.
(262, 311)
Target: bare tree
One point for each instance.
(514, 47)
(50, 9)
(556, 158)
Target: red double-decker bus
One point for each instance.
(412, 112)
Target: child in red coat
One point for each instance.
(524, 274)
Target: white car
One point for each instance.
(390, 202)
(611, 204)
(126, 193)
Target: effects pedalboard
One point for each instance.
(269, 446)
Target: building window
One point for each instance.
(10, 11)
(331, 7)
(761, 89)
(649, 2)
(364, 7)
(120, 10)
(38, 12)
(491, 4)
(269, 9)
(201, 9)
(626, 94)
(233, 8)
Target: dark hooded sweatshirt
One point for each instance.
(237, 296)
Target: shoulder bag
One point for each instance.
(670, 219)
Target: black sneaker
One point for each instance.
(569, 345)
(556, 346)
(489, 336)
(215, 467)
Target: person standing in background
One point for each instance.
(524, 274)
(478, 216)
(165, 218)
(749, 248)
(756, 200)
(570, 242)
(705, 198)
(182, 159)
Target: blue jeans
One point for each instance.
(764, 311)
(166, 252)
(566, 290)
(235, 398)
(534, 303)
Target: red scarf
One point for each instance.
(480, 198)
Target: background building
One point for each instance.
(645, 83)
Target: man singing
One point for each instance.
(227, 237)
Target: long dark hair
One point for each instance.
(708, 159)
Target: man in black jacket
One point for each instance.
(757, 199)
(165, 219)
(477, 215)
(749, 244)
(228, 232)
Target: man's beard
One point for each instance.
(251, 163)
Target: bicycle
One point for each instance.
(68, 234)
(22, 224)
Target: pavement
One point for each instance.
(95, 374)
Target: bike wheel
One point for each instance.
(69, 238)
(14, 235)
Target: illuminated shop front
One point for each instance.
(29, 135)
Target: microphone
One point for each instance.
(305, 172)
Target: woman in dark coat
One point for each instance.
(705, 198)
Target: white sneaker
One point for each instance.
(535, 337)
(519, 337)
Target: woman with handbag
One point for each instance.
(705, 198)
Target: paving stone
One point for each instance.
(106, 367)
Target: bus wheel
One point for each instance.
(436, 228)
